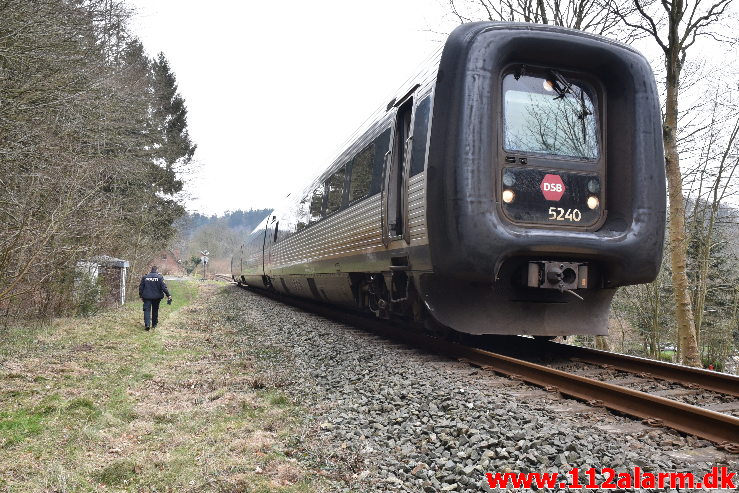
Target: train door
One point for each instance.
(270, 239)
(395, 192)
(237, 267)
(265, 246)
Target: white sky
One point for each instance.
(274, 88)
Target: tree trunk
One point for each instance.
(601, 342)
(683, 309)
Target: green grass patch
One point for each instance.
(84, 407)
(183, 293)
(668, 356)
(18, 425)
(116, 473)
(278, 399)
(120, 407)
(23, 338)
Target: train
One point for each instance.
(511, 187)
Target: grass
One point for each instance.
(18, 425)
(99, 403)
(668, 356)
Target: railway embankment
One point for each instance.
(237, 392)
(402, 419)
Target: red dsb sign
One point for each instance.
(552, 187)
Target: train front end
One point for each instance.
(545, 180)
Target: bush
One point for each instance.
(718, 365)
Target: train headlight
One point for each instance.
(508, 196)
(593, 202)
(509, 179)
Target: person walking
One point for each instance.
(151, 291)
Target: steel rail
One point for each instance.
(705, 379)
(720, 428)
(657, 411)
(716, 427)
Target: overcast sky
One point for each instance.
(274, 88)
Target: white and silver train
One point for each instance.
(508, 189)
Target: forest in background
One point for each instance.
(221, 236)
(94, 148)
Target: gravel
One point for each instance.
(386, 417)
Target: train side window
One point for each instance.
(361, 179)
(335, 188)
(302, 214)
(420, 135)
(316, 204)
(382, 145)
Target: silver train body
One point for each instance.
(509, 189)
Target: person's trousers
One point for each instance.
(151, 312)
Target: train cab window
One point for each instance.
(316, 204)
(420, 136)
(335, 187)
(550, 114)
(361, 179)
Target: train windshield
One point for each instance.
(549, 115)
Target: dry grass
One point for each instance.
(99, 404)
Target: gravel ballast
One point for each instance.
(387, 417)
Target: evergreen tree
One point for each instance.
(174, 147)
(93, 139)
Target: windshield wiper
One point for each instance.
(560, 85)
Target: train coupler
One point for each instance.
(564, 276)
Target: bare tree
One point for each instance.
(675, 26)
(646, 308)
(710, 183)
(78, 148)
(585, 15)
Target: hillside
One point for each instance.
(221, 236)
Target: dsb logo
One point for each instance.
(553, 187)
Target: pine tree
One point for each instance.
(175, 149)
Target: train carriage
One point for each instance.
(509, 188)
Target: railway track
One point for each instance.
(654, 410)
(707, 389)
(709, 380)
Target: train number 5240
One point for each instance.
(560, 214)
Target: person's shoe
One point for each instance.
(147, 328)
(154, 326)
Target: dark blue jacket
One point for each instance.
(152, 286)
